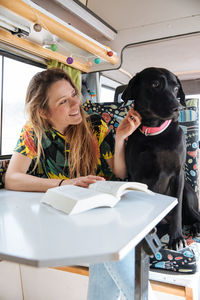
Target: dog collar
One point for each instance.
(155, 130)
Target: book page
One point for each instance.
(75, 192)
(117, 188)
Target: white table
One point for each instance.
(38, 235)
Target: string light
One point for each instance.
(97, 60)
(69, 60)
(37, 27)
(109, 53)
(54, 45)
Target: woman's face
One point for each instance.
(64, 105)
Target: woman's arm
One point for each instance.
(129, 124)
(17, 179)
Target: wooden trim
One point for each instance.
(23, 9)
(35, 49)
(177, 290)
(74, 269)
(189, 293)
(168, 288)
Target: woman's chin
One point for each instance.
(76, 120)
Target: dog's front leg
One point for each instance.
(175, 228)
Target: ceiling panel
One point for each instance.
(180, 55)
(132, 13)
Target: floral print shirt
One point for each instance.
(54, 162)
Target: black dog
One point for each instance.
(156, 151)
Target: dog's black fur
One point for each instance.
(159, 160)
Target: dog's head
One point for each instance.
(157, 93)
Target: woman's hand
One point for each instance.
(129, 124)
(83, 181)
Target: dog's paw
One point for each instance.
(177, 243)
(195, 229)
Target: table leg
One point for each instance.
(141, 273)
(148, 246)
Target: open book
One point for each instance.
(73, 199)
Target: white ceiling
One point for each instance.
(180, 55)
(138, 21)
(126, 14)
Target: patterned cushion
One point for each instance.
(112, 113)
(182, 261)
(3, 168)
(189, 121)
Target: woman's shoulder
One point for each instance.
(26, 143)
(27, 129)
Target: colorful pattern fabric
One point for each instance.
(54, 162)
(189, 122)
(182, 261)
(3, 168)
(112, 113)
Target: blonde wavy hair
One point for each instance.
(82, 155)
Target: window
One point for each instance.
(107, 90)
(16, 76)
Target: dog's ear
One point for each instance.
(130, 92)
(181, 94)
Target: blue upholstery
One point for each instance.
(189, 121)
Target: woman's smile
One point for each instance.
(76, 113)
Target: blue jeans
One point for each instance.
(107, 280)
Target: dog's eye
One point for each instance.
(155, 84)
(176, 89)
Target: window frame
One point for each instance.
(27, 61)
(112, 87)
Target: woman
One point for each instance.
(61, 145)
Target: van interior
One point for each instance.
(106, 43)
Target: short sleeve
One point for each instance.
(26, 144)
